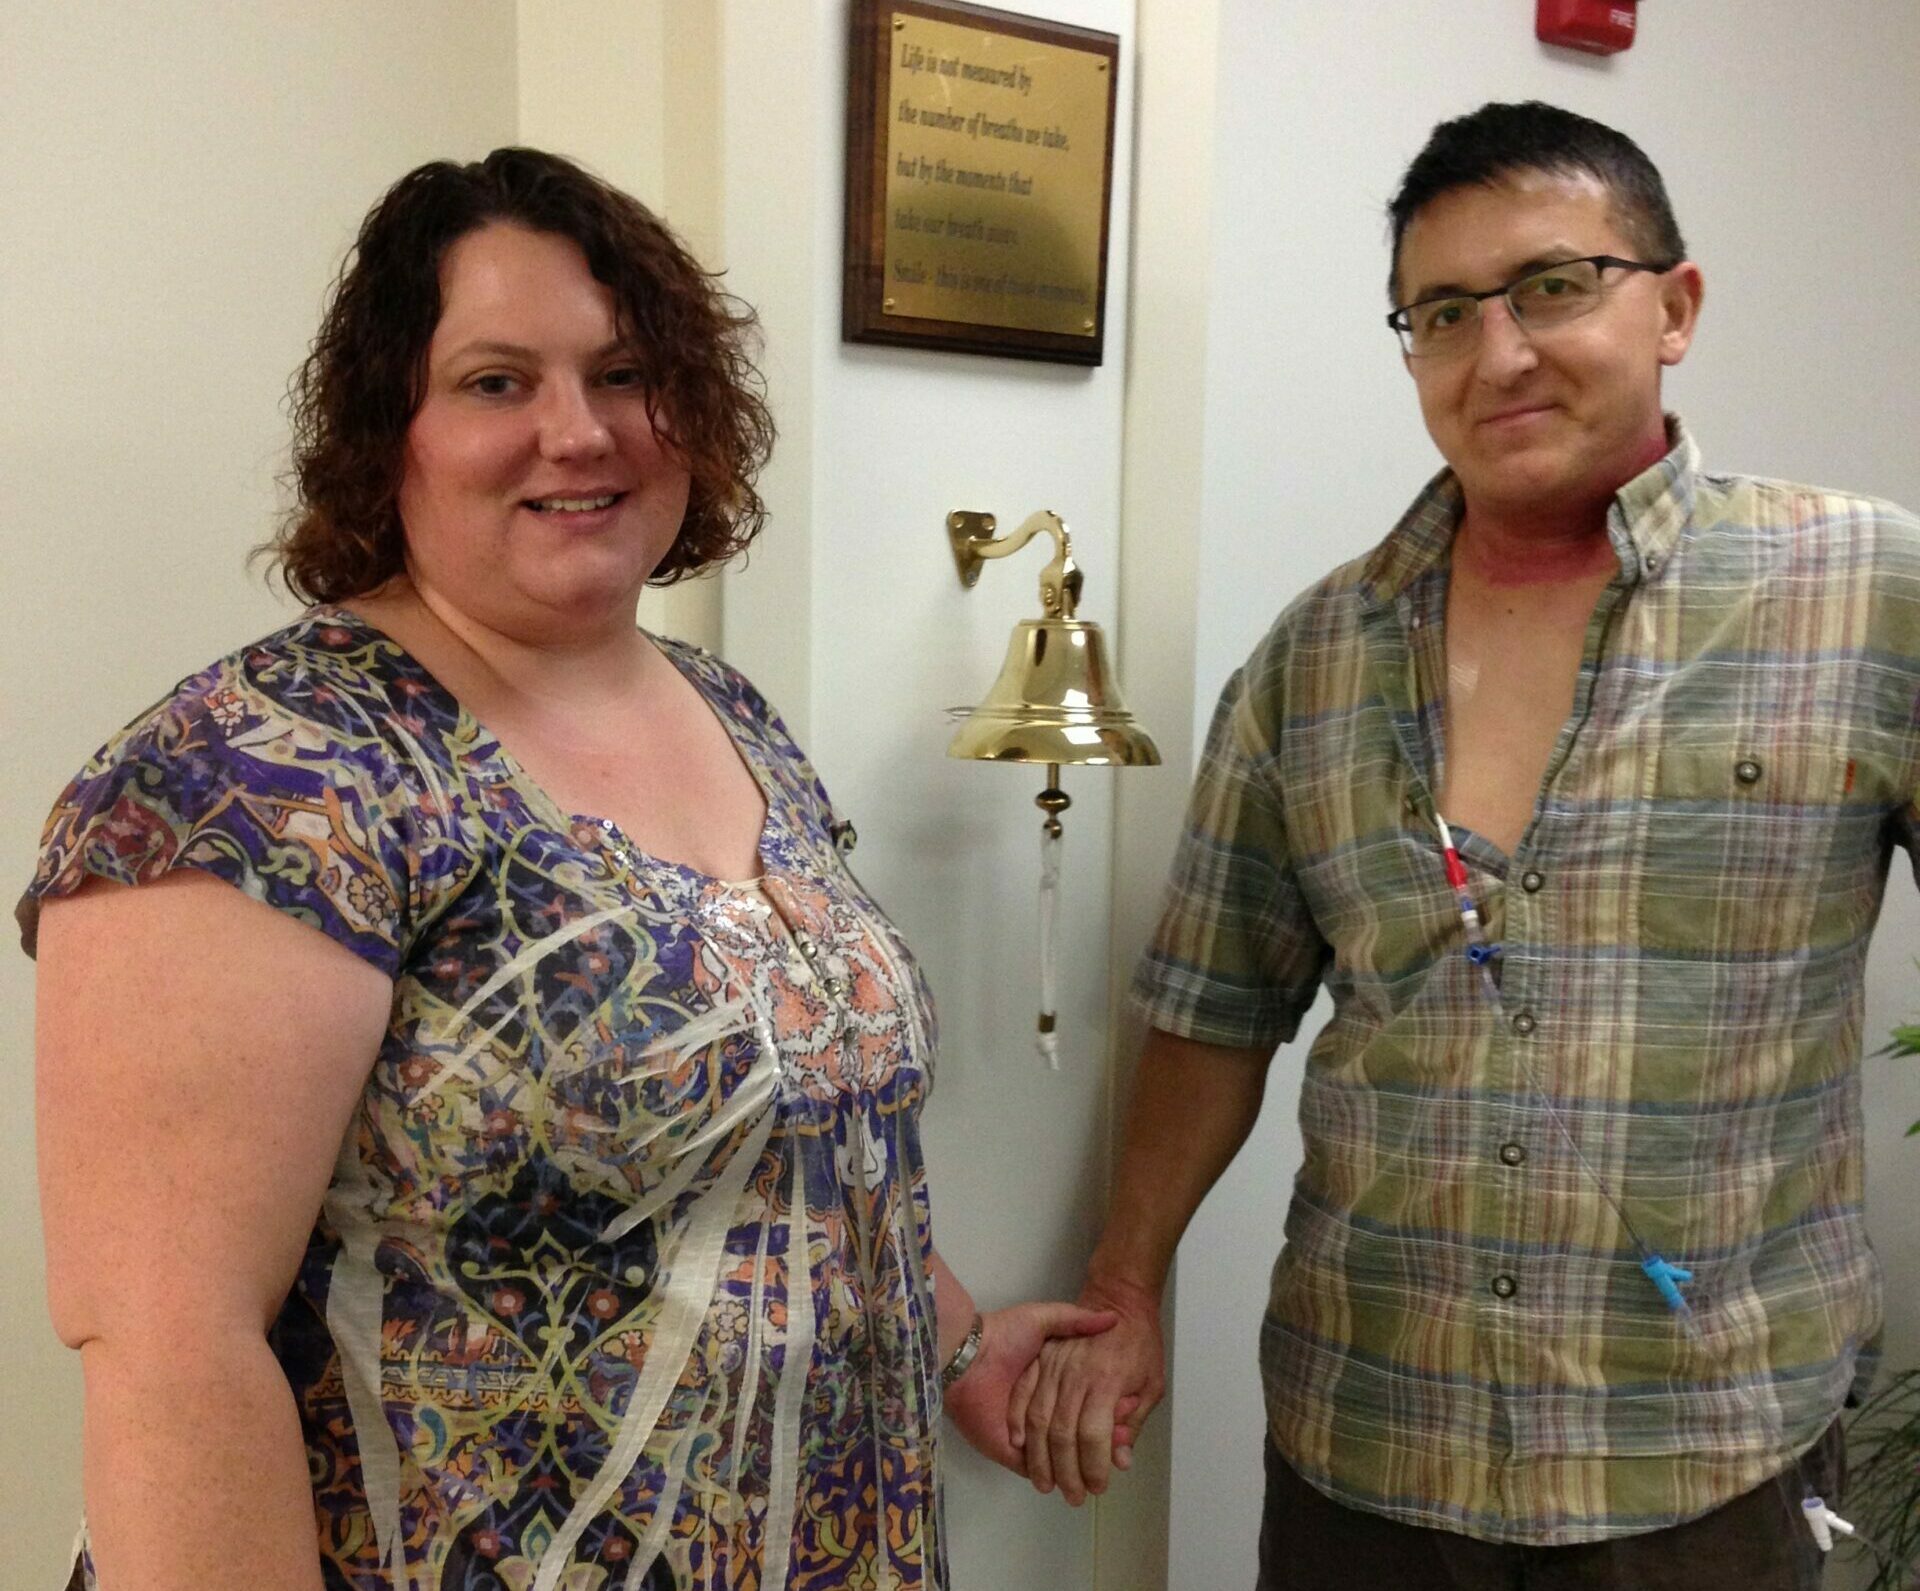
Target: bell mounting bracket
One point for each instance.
(970, 532)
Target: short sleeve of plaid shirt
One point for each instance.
(1237, 958)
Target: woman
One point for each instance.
(490, 1129)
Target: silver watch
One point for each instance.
(965, 1354)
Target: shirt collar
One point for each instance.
(1651, 512)
(1645, 523)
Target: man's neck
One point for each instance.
(1503, 551)
(1561, 542)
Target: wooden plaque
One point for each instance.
(979, 181)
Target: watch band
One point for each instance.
(965, 1354)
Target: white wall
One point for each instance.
(181, 180)
(851, 617)
(1790, 139)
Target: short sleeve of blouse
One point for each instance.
(276, 770)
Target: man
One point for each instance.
(1575, 1279)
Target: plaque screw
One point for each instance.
(1086, 325)
(899, 23)
(886, 303)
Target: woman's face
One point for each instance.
(537, 495)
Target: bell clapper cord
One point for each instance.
(1052, 801)
(1666, 1276)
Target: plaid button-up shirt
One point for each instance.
(1460, 1333)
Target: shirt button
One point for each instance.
(1531, 880)
(1513, 1155)
(1504, 1286)
(1747, 771)
(1523, 1024)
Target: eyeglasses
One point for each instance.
(1436, 328)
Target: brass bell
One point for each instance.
(1055, 702)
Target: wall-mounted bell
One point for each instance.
(1055, 702)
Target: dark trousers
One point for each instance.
(1757, 1542)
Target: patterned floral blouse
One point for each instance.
(621, 1279)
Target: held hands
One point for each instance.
(979, 1403)
(1076, 1407)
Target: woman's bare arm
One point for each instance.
(199, 1056)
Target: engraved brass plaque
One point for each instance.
(996, 178)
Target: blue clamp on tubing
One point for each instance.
(1666, 1276)
(1480, 955)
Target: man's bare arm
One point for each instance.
(1193, 1105)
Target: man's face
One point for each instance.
(1553, 421)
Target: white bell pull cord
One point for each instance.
(1052, 801)
(1048, 1041)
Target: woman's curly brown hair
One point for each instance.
(355, 395)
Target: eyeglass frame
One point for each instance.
(1402, 328)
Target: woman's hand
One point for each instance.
(1010, 1341)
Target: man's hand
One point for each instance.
(1012, 1338)
(1067, 1410)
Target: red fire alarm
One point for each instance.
(1600, 27)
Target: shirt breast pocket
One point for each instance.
(1748, 850)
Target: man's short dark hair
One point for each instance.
(1499, 140)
